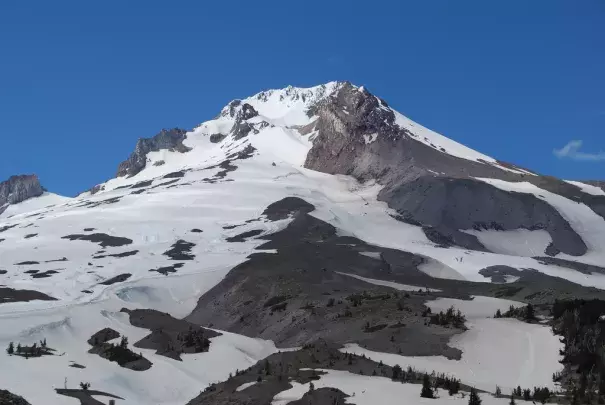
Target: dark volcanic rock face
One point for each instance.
(300, 293)
(453, 204)
(358, 135)
(169, 336)
(171, 139)
(19, 188)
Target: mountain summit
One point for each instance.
(301, 236)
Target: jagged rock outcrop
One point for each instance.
(19, 188)
(170, 139)
(358, 135)
(241, 128)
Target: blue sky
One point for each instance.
(80, 81)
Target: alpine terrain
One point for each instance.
(305, 246)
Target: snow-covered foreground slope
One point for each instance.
(67, 327)
(367, 390)
(496, 352)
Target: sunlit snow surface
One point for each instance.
(165, 213)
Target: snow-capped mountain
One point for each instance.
(317, 220)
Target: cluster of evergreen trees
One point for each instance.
(194, 338)
(538, 394)
(580, 324)
(34, 350)
(527, 313)
(451, 384)
(121, 354)
(451, 317)
(358, 298)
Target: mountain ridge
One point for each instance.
(318, 218)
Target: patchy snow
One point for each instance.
(587, 188)
(397, 286)
(518, 242)
(373, 390)
(246, 385)
(370, 138)
(496, 352)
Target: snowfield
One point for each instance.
(367, 390)
(496, 352)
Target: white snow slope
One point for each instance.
(496, 352)
(165, 212)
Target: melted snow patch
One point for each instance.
(244, 386)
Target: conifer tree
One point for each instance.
(396, 372)
(474, 399)
(512, 400)
(427, 391)
(11, 348)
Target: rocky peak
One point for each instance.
(230, 109)
(169, 139)
(19, 188)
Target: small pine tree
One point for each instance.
(473, 398)
(124, 342)
(427, 391)
(512, 400)
(498, 314)
(397, 372)
(311, 387)
(11, 348)
(19, 348)
(498, 391)
(85, 386)
(530, 313)
(527, 394)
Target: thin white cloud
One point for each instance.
(572, 151)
